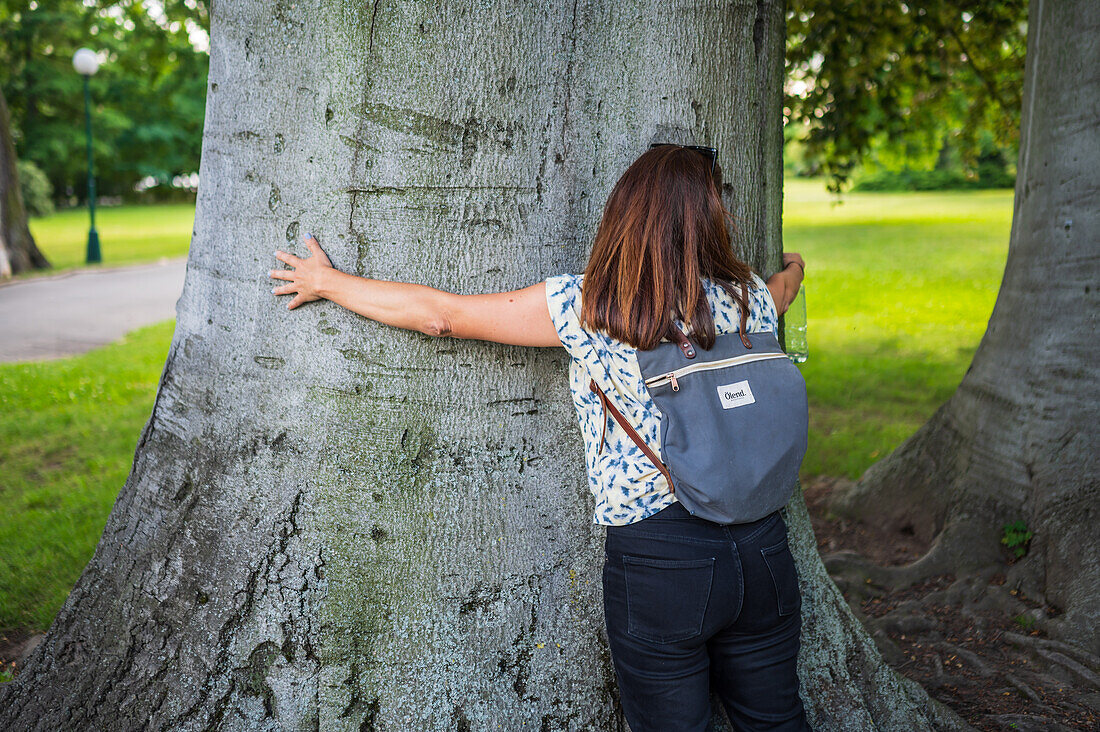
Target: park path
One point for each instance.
(75, 311)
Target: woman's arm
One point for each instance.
(784, 284)
(518, 317)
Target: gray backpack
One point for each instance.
(734, 422)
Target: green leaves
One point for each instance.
(148, 97)
(1016, 537)
(903, 77)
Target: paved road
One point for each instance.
(75, 311)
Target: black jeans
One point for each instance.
(690, 604)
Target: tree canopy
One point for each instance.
(148, 96)
(900, 77)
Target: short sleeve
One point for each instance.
(563, 299)
(764, 305)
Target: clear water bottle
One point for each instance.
(794, 328)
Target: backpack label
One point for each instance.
(736, 395)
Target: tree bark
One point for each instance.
(1018, 439)
(18, 252)
(333, 524)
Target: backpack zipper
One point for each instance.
(706, 366)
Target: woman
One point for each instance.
(689, 605)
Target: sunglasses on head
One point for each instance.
(711, 152)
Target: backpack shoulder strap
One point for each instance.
(632, 432)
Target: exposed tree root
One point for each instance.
(973, 659)
(969, 631)
(1031, 641)
(1026, 723)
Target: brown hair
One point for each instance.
(663, 228)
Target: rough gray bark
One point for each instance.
(1018, 439)
(18, 252)
(333, 524)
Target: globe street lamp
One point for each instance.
(86, 63)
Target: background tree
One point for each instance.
(1018, 440)
(900, 77)
(148, 96)
(18, 252)
(332, 523)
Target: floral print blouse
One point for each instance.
(626, 485)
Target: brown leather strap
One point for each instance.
(675, 334)
(744, 317)
(631, 431)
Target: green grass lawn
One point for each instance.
(68, 429)
(899, 290)
(127, 235)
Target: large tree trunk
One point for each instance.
(18, 252)
(335, 524)
(1019, 440)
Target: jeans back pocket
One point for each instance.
(781, 565)
(666, 599)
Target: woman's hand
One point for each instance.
(795, 257)
(306, 279)
(784, 284)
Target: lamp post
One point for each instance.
(86, 63)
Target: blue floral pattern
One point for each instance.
(626, 485)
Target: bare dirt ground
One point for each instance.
(991, 668)
(14, 644)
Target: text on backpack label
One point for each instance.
(736, 395)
